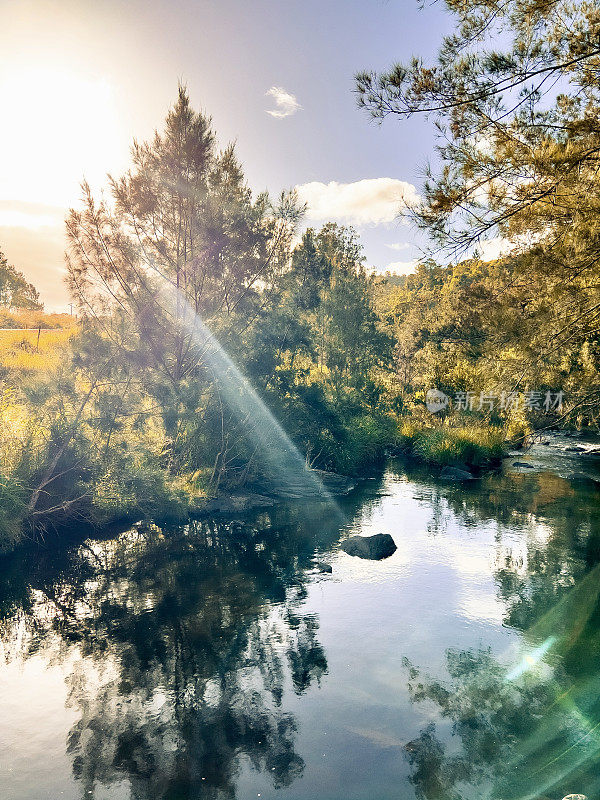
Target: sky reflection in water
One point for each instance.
(214, 662)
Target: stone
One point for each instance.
(314, 484)
(376, 547)
(335, 484)
(576, 449)
(321, 566)
(237, 504)
(523, 464)
(583, 480)
(456, 474)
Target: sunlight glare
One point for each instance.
(58, 127)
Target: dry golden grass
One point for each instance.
(32, 350)
(34, 318)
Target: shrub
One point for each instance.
(472, 445)
(12, 510)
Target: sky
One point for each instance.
(80, 79)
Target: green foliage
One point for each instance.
(12, 511)
(364, 443)
(468, 327)
(15, 290)
(477, 446)
(179, 281)
(516, 101)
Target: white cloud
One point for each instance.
(491, 249)
(286, 103)
(402, 267)
(498, 247)
(373, 201)
(399, 246)
(13, 218)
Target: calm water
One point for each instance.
(215, 662)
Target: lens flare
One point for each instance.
(275, 448)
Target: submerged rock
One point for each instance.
(321, 566)
(523, 464)
(307, 487)
(584, 480)
(237, 504)
(376, 547)
(334, 483)
(576, 449)
(456, 474)
(313, 484)
(594, 452)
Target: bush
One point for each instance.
(477, 446)
(364, 443)
(12, 511)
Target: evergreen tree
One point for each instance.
(183, 253)
(515, 96)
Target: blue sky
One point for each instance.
(79, 80)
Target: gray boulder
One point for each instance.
(456, 474)
(523, 465)
(376, 547)
(321, 566)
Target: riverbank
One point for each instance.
(476, 447)
(171, 499)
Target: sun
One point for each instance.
(57, 127)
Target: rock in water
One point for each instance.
(575, 797)
(583, 480)
(313, 484)
(236, 504)
(323, 567)
(456, 474)
(523, 465)
(335, 484)
(376, 547)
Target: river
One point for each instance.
(216, 661)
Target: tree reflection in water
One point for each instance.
(182, 643)
(526, 724)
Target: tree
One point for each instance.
(351, 340)
(183, 254)
(15, 290)
(514, 95)
(518, 126)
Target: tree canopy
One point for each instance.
(515, 99)
(15, 289)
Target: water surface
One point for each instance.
(215, 661)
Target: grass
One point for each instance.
(475, 446)
(34, 318)
(32, 350)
